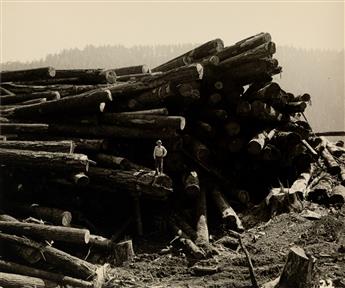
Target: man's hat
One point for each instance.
(159, 142)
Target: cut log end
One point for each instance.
(66, 218)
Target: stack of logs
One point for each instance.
(78, 144)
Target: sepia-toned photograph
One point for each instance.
(172, 144)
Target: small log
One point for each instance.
(16, 99)
(44, 160)
(47, 146)
(258, 142)
(123, 252)
(15, 268)
(202, 235)
(298, 270)
(295, 107)
(27, 75)
(300, 185)
(47, 232)
(111, 131)
(228, 214)
(321, 191)
(139, 69)
(30, 255)
(264, 50)
(53, 215)
(173, 64)
(244, 45)
(144, 121)
(88, 76)
(135, 77)
(332, 165)
(80, 179)
(135, 181)
(10, 280)
(55, 257)
(5, 92)
(305, 98)
(158, 111)
(17, 128)
(112, 161)
(337, 195)
(78, 103)
(191, 184)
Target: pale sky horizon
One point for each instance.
(32, 29)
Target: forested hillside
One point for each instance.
(317, 72)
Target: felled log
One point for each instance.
(30, 255)
(258, 142)
(131, 70)
(87, 76)
(262, 51)
(232, 127)
(14, 99)
(27, 75)
(185, 241)
(111, 131)
(337, 196)
(48, 146)
(15, 268)
(191, 184)
(88, 144)
(270, 91)
(78, 103)
(157, 111)
(243, 45)
(111, 161)
(199, 52)
(295, 107)
(203, 130)
(144, 121)
(4, 120)
(10, 280)
(298, 270)
(134, 181)
(280, 200)
(5, 92)
(228, 214)
(47, 232)
(300, 185)
(55, 257)
(202, 235)
(17, 128)
(44, 160)
(199, 150)
(53, 215)
(321, 191)
(80, 179)
(332, 165)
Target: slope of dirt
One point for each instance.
(268, 244)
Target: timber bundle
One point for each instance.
(77, 172)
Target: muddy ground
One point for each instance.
(267, 242)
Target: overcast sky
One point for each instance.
(32, 29)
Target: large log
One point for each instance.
(10, 280)
(53, 215)
(111, 161)
(139, 69)
(44, 160)
(111, 131)
(157, 111)
(144, 121)
(321, 191)
(27, 75)
(47, 232)
(88, 76)
(14, 99)
(55, 257)
(15, 268)
(47, 146)
(228, 214)
(199, 150)
(191, 184)
(135, 181)
(202, 235)
(30, 255)
(244, 45)
(17, 128)
(262, 51)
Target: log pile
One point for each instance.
(76, 150)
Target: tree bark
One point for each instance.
(75, 104)
(47, 146)
(56, 257)
(27, 75)
(139, 69)
(136, 182)
(15, 268)
(16, 99)
(44, 160)
(88, 76)
(47, 232)
(228, 214)
(14, 128)
(30, 255)
(144, 121)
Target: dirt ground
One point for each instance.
(267, 242)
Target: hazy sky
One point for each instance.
(32, 29)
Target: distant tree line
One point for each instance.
(317, 72)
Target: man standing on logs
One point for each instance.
(158, 154)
